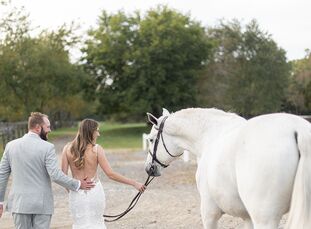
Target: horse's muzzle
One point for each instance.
(153, 170)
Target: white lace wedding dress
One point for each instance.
(87, 207)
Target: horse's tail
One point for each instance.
(300, 209)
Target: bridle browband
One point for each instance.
(156, 143)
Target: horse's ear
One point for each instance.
(165, 112)
(152, 119)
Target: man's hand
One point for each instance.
(1, 210)
(86, 185)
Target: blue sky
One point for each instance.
(288, 21)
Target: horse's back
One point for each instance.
(266, 163)
(278, 122)
(268, 135)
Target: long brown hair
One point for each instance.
(85, 136)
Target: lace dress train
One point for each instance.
(87, 207)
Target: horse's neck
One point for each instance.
(201, 126)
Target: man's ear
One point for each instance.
(152, 119)
(165, 112)
(38, 127)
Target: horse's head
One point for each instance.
(162, 149)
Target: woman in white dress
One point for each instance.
(83, 156)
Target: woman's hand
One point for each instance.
(139, 186)
(1, 210)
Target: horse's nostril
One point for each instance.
(152, 170)
(149, 169)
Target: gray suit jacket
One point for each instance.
(33, 164)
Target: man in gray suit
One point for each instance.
(33, 164)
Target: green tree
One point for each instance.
(249, 72)
(141, 64)
(299, 96)
(14, 27)
(36, 72)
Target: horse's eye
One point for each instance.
(151, 140)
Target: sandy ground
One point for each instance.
(171, 201)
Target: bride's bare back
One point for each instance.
(90, 163)
(90, 214)
(94, 156)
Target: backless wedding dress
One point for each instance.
(87, 207)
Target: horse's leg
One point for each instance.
(266, 225)
(210, 213)
(247, 224)
(265, 179)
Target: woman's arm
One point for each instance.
(65, 164)
(104, 164)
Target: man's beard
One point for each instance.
(43, 135)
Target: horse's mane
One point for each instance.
(203, 113)
(199, 119)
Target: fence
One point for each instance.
(12, 130)
(61, 124)
(307, 117)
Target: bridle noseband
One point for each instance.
(156, 143)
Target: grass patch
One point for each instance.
(112, 135)
(63, 132)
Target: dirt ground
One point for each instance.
(171, 201)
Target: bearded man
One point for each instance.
(32, 161)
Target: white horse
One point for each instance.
(254, 169)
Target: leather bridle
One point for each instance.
(156, 143)
(150, 178)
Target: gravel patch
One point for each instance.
(171, 201)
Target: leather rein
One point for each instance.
(131, 205)
(149, 179)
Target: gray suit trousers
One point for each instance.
(31, 221)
